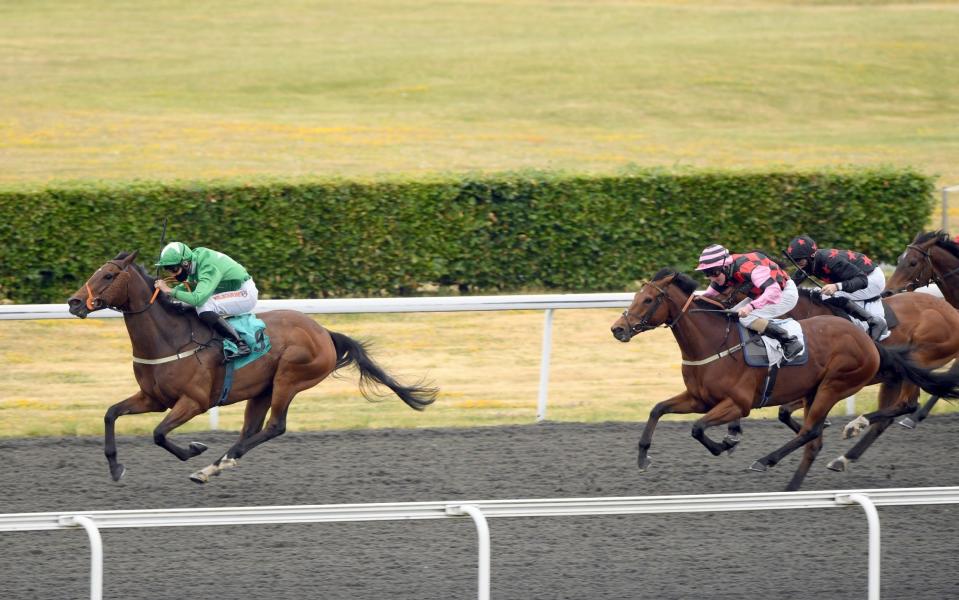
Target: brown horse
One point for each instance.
(179, 365)
(928, 325)
(932, 257)
(842, 359)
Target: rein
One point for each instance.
(124, 275)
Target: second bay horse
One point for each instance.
(842, 360)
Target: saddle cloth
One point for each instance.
(253, 332)
(770, 351)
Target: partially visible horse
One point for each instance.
(932, 257)
(842, 359)
(928, 325)
(179, 365)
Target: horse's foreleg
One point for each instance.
(185, 409)
(724, 412)
(786, 415)
(253, 418)
(920, 415)
(682, 403)
(136, 404)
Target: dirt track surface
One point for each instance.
(759, 555)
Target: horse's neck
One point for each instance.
(156, 330)
(701, 334)
(947, 269)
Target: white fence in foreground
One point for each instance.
(479, 511)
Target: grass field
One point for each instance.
(175, 90)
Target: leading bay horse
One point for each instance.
(183, 370)
(928, 325)
(842, 360)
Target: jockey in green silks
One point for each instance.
(213, 283)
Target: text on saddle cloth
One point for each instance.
(770, 352)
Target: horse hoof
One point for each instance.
(908, 423)
(117, 472)
(838, 464)
(199, 477)
(644, 464)
(854, 427)
(198, 448)
(731, 443)
(758, 466)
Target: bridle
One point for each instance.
(643, 324)
(123, 277)
(919, 281)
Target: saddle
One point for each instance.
(756, 352)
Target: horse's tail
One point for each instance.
(354, 352)
(895, 365)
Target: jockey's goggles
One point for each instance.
(712, 271)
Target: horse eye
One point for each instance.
(913, 263)
(108, 276)
(647, 300)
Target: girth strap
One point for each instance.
(166, 359)
(714, 357)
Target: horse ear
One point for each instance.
(131, 257)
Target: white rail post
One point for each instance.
(96, 552)
(851, 405)
(482, 532)
(872, 516)
(214, 418)
(544, 365)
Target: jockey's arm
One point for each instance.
(208, 277)
(850, 278)
(762, 279)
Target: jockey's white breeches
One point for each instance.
(232, 303)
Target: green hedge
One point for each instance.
(484, 234)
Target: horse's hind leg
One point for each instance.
(810, 452)
(184, 410)
(136, 404)
(894, 400)
(253, 418)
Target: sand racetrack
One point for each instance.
(757, 555)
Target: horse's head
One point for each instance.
(914, 268)
(651, 306)
(107, 287)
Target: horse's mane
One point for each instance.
(816, 299)
(942, 239)
(683, 281)
(164, 300)
(811, 295)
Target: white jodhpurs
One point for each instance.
(232, 303)
(772, 311)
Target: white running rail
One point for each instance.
(546, 302)
(480, 511)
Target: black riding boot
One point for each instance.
(877, 325)
(223, 327)
(792, 347)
